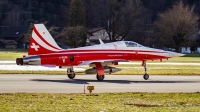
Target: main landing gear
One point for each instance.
(100, 72)
(100, 78)
(146, 76)
(70, 73)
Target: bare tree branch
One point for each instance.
(177, 24)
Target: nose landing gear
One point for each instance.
(146, 76)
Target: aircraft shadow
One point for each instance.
(87, 81)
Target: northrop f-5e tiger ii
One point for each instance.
(44, 51)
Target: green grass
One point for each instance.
(12, 54)
(134, 69)
(160, 69)
(182, 59)
(126, 69)
(192, 55)
(109, 102)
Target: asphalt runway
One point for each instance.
(112, 83)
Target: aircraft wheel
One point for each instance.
(72, 75)
(100, 78)
(110, 71)
(17, 61)
(146, 76)
(21, 60)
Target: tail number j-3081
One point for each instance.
(63, 58)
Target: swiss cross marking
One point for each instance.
(63, 58)
(35, 46)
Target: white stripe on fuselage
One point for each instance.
(164, 54)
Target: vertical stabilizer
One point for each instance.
(41, 41)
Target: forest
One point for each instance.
(98, 13)
(56, 11)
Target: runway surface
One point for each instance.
(112, 83)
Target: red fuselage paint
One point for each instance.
(76, 57)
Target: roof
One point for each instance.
(93, 30)
(8, 42)
(16, 31)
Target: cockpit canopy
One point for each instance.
(132, 44)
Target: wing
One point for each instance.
(103, 62)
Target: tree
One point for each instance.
(77, 32)
(176, 25)
(53, 32)
(28, 34)
(124, 16)
(76, 36)
(13, 16)
(89, 10)
(76, 13)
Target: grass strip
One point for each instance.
(12, 54)
(109, 102)
(125, 70)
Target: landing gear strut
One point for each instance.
(146, 76)
(100, 71)
(70, 73)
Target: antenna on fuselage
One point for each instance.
(101, 42)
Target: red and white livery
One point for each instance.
(44, 51)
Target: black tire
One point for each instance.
(100, 78)
(110, 71)
(20, 61)
(71, 76)
(17, 61)
(146, 76)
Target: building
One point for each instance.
(98, 33)
(13, 36)
(195, 48)
(8, 44)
